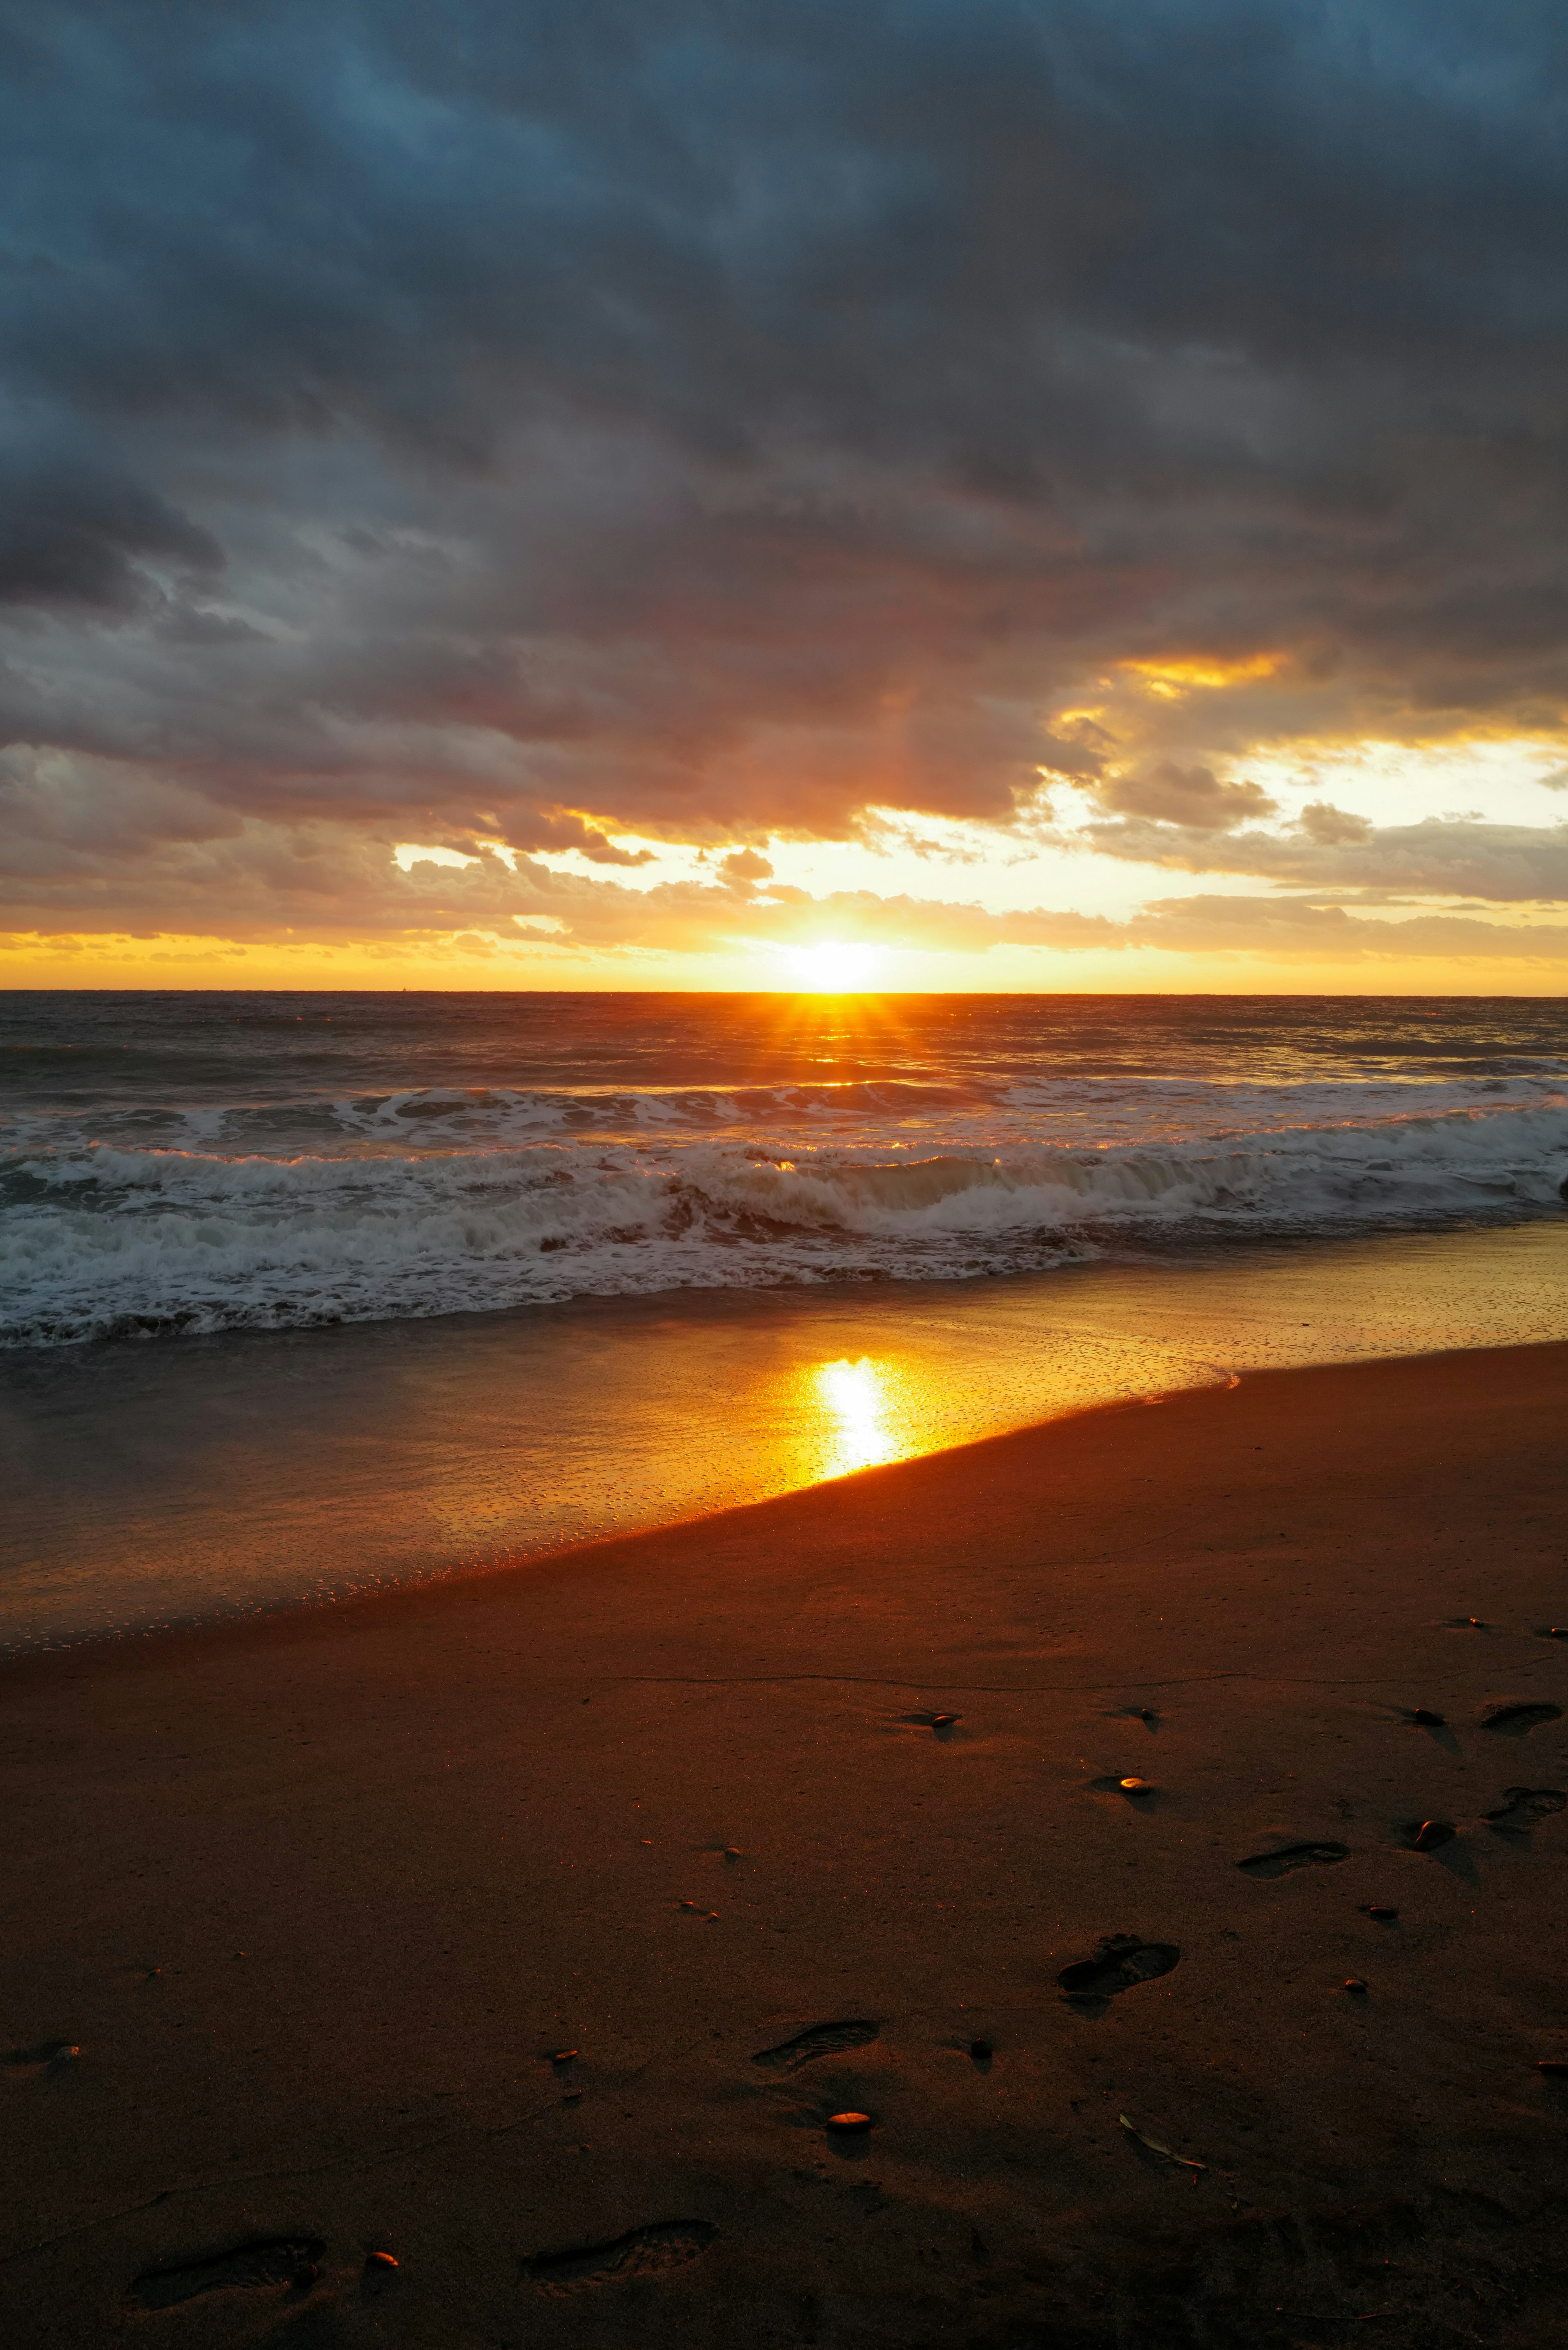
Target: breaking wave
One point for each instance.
(440, 1200)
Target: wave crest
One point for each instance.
(108, 1239)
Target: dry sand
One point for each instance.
(317, 1902)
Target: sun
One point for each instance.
(833, 967)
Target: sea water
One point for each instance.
(185, 1163)
(306, 1295)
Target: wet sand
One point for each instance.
(147, 1486)
(322, 1903)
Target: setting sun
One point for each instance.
(833, 968)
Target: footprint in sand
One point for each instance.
(1518, 1720)
(281, 2262)
(818, 2039)
(645, 2253)
(1293, 1856)
(1121, 1962)
(51, 2060)
(1522, 1808)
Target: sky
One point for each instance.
(959, 493)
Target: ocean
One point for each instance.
(181, 1164)
(303, 1297)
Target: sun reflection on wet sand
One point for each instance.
(169, 1486)
(856, 1402)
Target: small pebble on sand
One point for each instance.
(1424, 1718)
(1379, 1909)
(848, 2125)
(1556, 2066)
(1432, 1833)
(1136, 1787)
(380, 2261)
(562, 2055)
(980, 2051)
(943, 1720)
(1355, 1983)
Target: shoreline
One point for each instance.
(208, 1479)
(673, 1799)
(579, 1559)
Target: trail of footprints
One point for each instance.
(291, 2265)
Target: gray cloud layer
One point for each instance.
(512, 421)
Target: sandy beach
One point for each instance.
(529, 1929)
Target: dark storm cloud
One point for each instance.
(76, 535)
(718, 419)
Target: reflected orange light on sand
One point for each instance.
(857, 1402)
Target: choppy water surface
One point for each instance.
(178, 1163)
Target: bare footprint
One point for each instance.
(818, 2039)
(645, 2253)
(1121, 1962)
(51, 2060)
(1293, 1856)
(1522, 1808)
(288, 2261)
(1518, 1719)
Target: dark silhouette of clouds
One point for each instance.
(532, 422)
(76, 535)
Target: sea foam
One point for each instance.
(443, 1199)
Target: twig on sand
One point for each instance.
(1183, 2161)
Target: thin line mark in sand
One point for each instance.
(994, 1688)
(348, 2165)
(817, 2040)
(646, 2252)
(1293, 1856)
